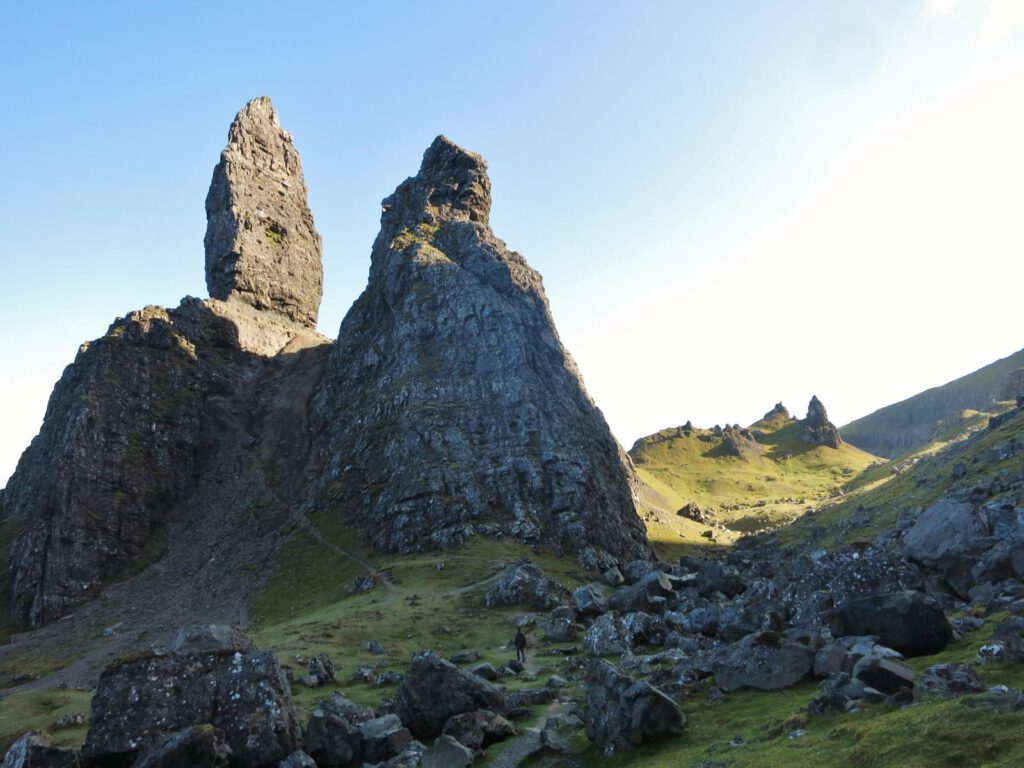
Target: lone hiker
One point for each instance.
(520, 643)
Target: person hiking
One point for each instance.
(520, 643)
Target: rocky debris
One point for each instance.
(589, 601)
(608, 635)
(333, 737)
(478, 730)
(1009, 634)
(141, 700)
(434, 690)
(559, 626)
(818, 430)
(261, 244)
(839, 692)
(473, 419)
(199, 746)
(206, 638)
(70, 720)
(649, 593)
(525, 584)
(383, 738)
(693, 511)
(34, 750)
(910, 622)
(766, 661)
(320, 671)
(622, 713)
(739, 443)
(885, 675)
(947, 680)
(446, 752)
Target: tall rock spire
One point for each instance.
(451, 407)
(261, 244)
(818, 430)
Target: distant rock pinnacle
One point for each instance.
(261, 244)
(818, 430)
(469, 417)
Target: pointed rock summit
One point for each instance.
(467, 414)
(261, 244)
(818, 430)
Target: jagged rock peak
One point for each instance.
(778, 410)
(261, 244)
(818, 430)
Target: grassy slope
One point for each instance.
(925, 413)
(755, 491)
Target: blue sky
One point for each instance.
(731, 203)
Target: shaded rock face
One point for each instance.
(909, 622)
(818, 430)
(622, 713)
(261, 245)
(466, 415)
(141, 701)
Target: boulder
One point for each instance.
(298, 759)
(885, 675)
(205, 638)
(199, 746)
(559, 628)
(947, 680)
(526, 584)
(765, 661)
(34, 750)
(140, 700)
(383, 738)
(1010, 634)
(622, 713)
(333, 738)
(910, 622)
(478, 730)
(589, 601)
(446, 752)
(716, 577)
(607, 636)
(948, 537)
(638, 596)
(434, 690)
(485, 670)
(321, 671)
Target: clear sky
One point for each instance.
(732, 203)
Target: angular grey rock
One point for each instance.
(818, 430)
(526, 584)
(199, 746)
(1010, 633)
(478, 730)
(446, 752)
(622, 713)
(947, 680)
(34, 750)
(205, 638)
(141, 700)
(434, 690)
(298, 759)
(383, 738)
(885, 675)
(637, 597)
(261, 244)
(589, 601)
(472, 417)
(949, 537)
(765, 661)
(332, 736)
(910, 622)
(608, 635)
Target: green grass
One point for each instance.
(37, 711)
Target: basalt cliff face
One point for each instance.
(463, 412)
(448, 407)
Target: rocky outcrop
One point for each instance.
(818, 430)
(622, 713)
(456, 409)
(261, 245)
(139, 702)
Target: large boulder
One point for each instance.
(34, 750)
(765, 661)
(622, 713)
(478, 730)
(333, 737)
(198, 746)
(644, 594)
(947, 680)
(383, 738)
(884, 674)
(140, 700)
(949, 537)
(608, 635)
(589, 601)
(433, 690)
(525, 584)
(910, 622)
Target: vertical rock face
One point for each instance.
(261, 245)
(818, 430)
(455, 409)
